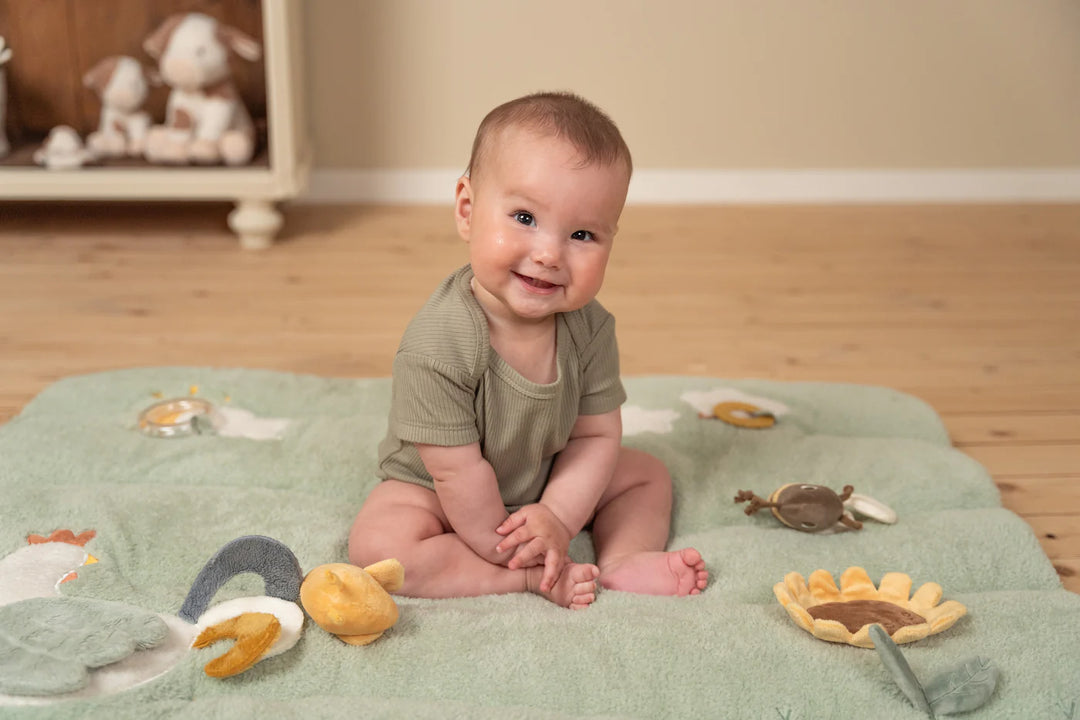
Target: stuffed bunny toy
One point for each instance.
(205, 118)
(122, 84)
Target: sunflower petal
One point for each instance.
(796, 586)
(945, 615)
(855, 584)
(926, 597)
(800, 616)
(895, 587)
(862, 637)
(911, 633)
(823, 587)
(831, 630)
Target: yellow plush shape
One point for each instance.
(254, 633)
(750, 416)
(353, 603)
(844, 614)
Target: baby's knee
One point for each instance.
(647, 468)
(386, 527)
(368, 545)
(364, 551)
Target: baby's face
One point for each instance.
(539, 226)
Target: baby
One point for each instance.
(504, 436)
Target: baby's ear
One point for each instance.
(463, 207)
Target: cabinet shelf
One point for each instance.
(279, 172)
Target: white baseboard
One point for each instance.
(436, 186)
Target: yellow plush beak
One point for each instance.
(254, 633)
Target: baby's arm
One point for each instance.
(583, 469)
(468, 491)
(581, 473)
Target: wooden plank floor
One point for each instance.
(974, 309)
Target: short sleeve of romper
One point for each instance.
(450, 388)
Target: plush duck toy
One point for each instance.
(52, 645)
(351, 602)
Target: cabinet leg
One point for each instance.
(256, 222)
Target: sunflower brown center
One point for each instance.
(853, 614)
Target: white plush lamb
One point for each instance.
(122, 84)
(205, 119)
(5, 55)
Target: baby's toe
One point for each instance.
(692, 558)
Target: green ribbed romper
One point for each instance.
(450, 388)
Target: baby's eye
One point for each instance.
(525, 218)
(582, 235)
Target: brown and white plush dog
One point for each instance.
(122, 84)
(205, 118)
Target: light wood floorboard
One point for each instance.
(974, 309)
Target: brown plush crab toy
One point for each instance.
(816, 508)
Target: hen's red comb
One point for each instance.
(66, 536)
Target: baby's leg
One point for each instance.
(405, 521)
(631, 528)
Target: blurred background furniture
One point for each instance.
(55, 42)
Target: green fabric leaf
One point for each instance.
(894, 661)
(26, 672)
(965, 687)
(47, 644)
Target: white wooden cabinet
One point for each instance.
(254, 188)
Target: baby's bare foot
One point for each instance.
(575, 588)
(680, 572)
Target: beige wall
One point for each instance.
(854, 84)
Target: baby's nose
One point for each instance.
(547, 250)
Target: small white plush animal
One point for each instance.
(122, 85)
(205, 118)
(62, 150)
(5, 55)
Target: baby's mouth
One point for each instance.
(536, 282)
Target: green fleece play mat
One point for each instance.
(296, 457)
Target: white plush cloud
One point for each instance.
(235, 422)
(705, 400)
(636, 420)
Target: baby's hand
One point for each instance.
(540, 536)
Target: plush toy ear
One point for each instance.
(98, 76)
(241, 44)
(156, 43)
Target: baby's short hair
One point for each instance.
(558, 114)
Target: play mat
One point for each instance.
(292, 457)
